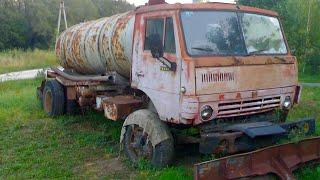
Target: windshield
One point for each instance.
(230, 33)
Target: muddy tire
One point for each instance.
(137, 145)
(53, 98)
(40, 97)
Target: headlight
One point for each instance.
(206, 113)
(287, 102)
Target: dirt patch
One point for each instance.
(82, 126)
(111, 167)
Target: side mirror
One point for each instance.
(156, 46)
(157, 51)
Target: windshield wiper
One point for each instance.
(202, 49)
(257, 52)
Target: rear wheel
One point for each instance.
(53, 98)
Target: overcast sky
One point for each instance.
(142, 2)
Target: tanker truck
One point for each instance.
(223, 70)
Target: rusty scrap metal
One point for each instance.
(68, 83)
(280, 160)
(85, 92)
(86, 101)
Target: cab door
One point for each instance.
(150, 75)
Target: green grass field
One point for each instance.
(17, 60)
(83, 146)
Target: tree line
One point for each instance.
(29, 24)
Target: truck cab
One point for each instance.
(204, 62)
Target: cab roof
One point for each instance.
(203, 6)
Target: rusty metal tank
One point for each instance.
(95, 47)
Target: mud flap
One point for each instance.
(280, 160)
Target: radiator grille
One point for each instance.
(246, 107)
(217, 77)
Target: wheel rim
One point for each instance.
(140, 145)
(48, 101)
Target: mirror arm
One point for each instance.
(170, 65)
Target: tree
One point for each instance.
(13, 29)
(32, 23)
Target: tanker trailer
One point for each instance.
(96, 47)
(223, 70)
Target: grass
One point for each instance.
(86, 146)
(309, 78)
(308, 107)
(310, 75)
(17, 60)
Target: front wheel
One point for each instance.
(138, 145)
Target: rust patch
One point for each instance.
(119, 107)
(85, 92)
(280, 160)
(86, 101)
(71, 93)
(203, 6)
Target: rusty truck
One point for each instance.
(224, 70)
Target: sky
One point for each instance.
(142, 2)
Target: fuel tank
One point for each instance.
(96, 47)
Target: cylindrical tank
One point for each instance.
(96, 47)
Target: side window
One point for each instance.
(154, 27)
(169, 41)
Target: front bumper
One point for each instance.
(249, 136)
(236, 104)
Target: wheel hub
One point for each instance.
(48, 101)
(140, 143)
